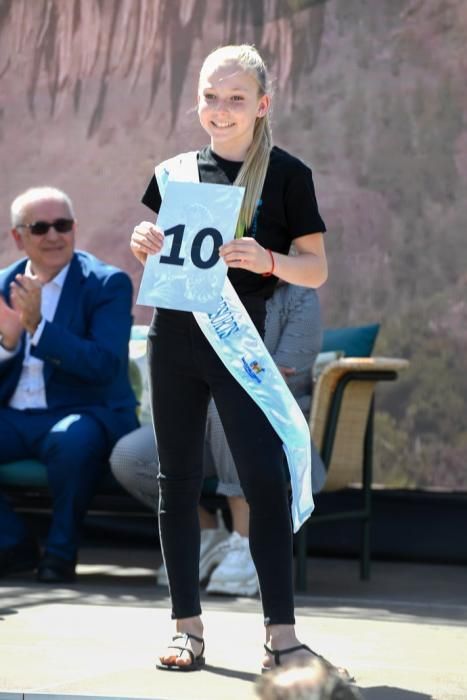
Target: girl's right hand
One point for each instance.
(146, 239)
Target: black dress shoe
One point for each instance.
(54, 569)
(22, 557)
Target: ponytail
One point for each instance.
(252, 174)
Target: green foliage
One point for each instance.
(393, 458)
(421, 437)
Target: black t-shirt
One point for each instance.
(287, 209)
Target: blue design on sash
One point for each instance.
(222, 321)
(253, 369)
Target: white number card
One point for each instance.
(188, 274)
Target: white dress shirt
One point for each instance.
(30, 390)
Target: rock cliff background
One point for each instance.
(370, 92)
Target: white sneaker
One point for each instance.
(236, 574)
(210, 554)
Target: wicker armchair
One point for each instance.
(341, 425)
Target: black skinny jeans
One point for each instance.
(184, 372)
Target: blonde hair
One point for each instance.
(37, 194)
(252, 174)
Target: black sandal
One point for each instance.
(197, 662)
(277, 653)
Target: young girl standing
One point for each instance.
(279, 207)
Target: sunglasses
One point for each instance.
(40, 228)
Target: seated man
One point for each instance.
(293, 337)
(65, 396)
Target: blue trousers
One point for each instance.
(75, 449)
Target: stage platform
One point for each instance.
(403, 634)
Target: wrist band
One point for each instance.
(268, 274)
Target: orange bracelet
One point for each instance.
(268, 274)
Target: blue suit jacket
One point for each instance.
(85, 347)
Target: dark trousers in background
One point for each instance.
(74, 448)
(184, 371)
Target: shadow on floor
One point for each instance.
(385, 692)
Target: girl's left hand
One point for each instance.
(246, 253)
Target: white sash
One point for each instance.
(233, 336)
